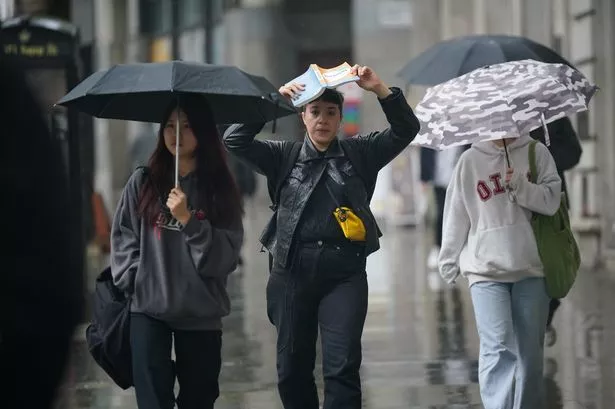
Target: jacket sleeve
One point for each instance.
(214, 251)
(379, 148)
(544, 197)
(455, 227)
(125, 235)
(264, 156)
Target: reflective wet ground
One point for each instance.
(420, 341)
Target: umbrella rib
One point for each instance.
(100, 80)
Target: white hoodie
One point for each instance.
(486, 236)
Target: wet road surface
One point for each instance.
(420, 343)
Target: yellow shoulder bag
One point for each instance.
(350, 223)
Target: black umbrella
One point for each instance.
(144, 91)
(451, 58)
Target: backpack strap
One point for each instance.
(357, 164)
(532, 159)
(285, 169)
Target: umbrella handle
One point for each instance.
(177, 148)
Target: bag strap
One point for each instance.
(534, 171)
(337, 203)
(358, 166)
(532, 158)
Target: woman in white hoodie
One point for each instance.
(488, 238)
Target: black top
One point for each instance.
(317, 221)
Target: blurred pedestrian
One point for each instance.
(488, 237)
(436, 170)
(566, 150)
(172, 249)
(319, 187)
(41, 289)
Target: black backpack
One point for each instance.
(108, 335)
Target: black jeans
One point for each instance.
(197, 366)
(325, 287)
(553, 306)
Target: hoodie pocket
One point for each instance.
(507, 249)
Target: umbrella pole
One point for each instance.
(506, 152)
(545, 129)
(177, 147)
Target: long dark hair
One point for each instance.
(218, 195)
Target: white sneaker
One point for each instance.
(432, 259)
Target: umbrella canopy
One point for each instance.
(500, 101)
(452, 58)
(142, 92)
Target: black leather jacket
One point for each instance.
(365, 156)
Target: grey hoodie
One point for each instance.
(175, 273)
(486, 236)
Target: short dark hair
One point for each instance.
(332, 96)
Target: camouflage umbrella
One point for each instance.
(505, 100)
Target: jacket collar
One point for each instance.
(309, 152)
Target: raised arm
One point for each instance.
(379, 148)
(264, 156)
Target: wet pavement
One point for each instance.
(420, 342)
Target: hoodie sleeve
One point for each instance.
(214, 251)
(544, 197)
(125, 235)
(455, 227)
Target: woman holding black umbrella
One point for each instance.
(320, 236)
(172, 248)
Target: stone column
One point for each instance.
(103, 33)
(537, 20)
(583, 180)
(500, 15)
(256, 40)
(604, 104)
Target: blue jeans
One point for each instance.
(511, 320)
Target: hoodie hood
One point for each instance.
(491, 149)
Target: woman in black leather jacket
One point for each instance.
(317, 275)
